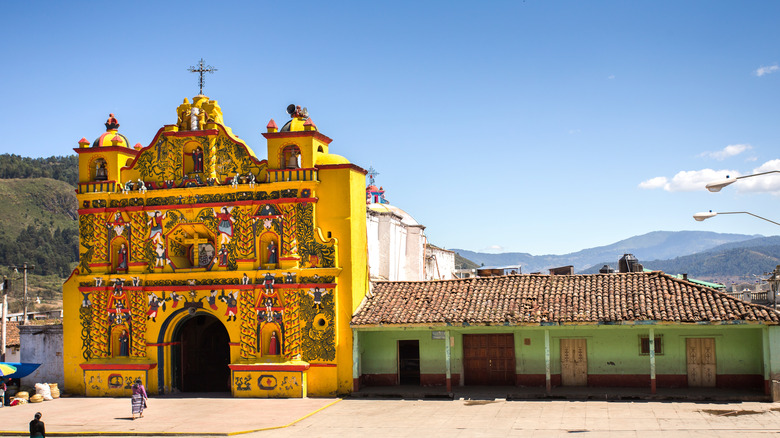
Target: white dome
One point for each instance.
(406, 218)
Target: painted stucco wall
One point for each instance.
(42, 344)
(396, 248)
(439, 264)
(612, 350)
(379, 351)
(773, 337)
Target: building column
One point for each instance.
(355, 361)
(447, 360)
(652, 360)
(547, 368)
(767, 361)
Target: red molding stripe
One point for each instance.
(117, 366)
(190, 133)
(316, 134)
(268, 367)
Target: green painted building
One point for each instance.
(645, 329)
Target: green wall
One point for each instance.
(612, 349)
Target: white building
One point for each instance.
(397, 247)
(439, 263)
(396, 244)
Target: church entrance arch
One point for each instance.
(201, 355)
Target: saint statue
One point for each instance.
(122, 258)
(273, 257)
(273, 344)
(124, 344)
(197, 160)
(194, 119)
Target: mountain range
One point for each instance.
(708, 255)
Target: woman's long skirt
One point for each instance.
(138, 404)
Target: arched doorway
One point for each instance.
(203, 354)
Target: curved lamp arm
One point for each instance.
(708, 214)
(715, 186)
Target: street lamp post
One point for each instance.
(24, 267)
(715, 186)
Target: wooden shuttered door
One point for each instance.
(489, 359)
(574, 362)
(702, 366)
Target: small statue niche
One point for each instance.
(273, 345)
(121, 258)
(197, 160)
(124, 343)
(273, 252)
(120, 341)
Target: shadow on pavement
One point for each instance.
(516, 393)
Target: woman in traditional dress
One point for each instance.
(225, 226)
(155, 223)
(138, 399)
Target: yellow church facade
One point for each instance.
(203, 268)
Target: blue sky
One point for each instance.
(539, 126)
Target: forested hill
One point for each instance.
(38, 224)
(60, 168)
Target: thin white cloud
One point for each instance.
(654, 183)
(494, 249)
(611, 77)
(764, 183)
(767, 69)
(687, 180)
(729, 151)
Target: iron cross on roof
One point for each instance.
(201, 69)
(372, 173)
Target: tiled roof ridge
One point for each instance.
(543, 298)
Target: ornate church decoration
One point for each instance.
(193, 237)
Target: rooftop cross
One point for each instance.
(201, 69)
(371, 174)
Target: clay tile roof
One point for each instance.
(539, 299)
(12, 333)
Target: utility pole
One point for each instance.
(25, 267)
(6, 286)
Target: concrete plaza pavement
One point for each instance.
(202, 415)
(199, 415)
(556, 418)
